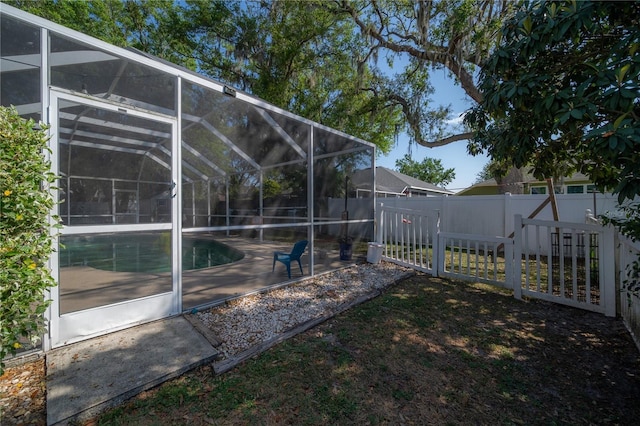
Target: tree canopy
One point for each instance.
(361, 66)
(562, 91)
(428, 170)
(425, 37)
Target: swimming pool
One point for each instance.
(142, 252)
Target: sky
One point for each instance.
(453, 156)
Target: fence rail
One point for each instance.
(476, 257)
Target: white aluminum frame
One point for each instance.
(80, 325)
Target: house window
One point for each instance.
(575, 189)
(538, 189)
(591, 189)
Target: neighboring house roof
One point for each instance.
(392, 182)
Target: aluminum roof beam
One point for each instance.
(285, 136)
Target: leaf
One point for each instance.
(548, 101)
(616, 123)
(565, 117)
(628, 94)
(563, 30)
(527, 24)
(577, 113)
(621, 72)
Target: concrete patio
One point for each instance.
(84, 287)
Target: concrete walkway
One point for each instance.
(86, 378)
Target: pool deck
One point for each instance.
(86, 287)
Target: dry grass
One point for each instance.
(429, 351)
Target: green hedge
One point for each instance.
(25, 238)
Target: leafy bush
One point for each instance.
(25, 238)
(628, 223)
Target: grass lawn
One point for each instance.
(428, 351)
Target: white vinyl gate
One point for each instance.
(567, 263)
(410, 237)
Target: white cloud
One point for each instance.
(456, 121)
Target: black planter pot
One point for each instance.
(346, 251)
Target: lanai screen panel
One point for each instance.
(81, 68)
(251, 162)
(337, 159)
(114, 168)
(20, 67)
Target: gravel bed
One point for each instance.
(248, 321)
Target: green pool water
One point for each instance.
(150, 253)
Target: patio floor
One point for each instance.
(85, 287)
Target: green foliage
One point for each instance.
(145, 25)
(628, 222)
(428, 170)
(629, 225)
(298, 56)
(491, 170)
(25, 240)
(563, 88)
(271, 188)
(631, 284)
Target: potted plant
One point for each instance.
(346, 247)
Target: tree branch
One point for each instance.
(431, 53)
(446, 141)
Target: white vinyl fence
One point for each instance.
(569, 262)
(561, 262)
(493, 215)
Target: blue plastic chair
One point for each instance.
(287, 258)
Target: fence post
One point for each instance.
(379, 223)
(509, 265)
(434, 225)
(444, 214)
(608, 277)
(508, 213)
(516, 259)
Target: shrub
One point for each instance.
(25, 238)
(628, 223)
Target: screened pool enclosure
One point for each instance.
(174, 189)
